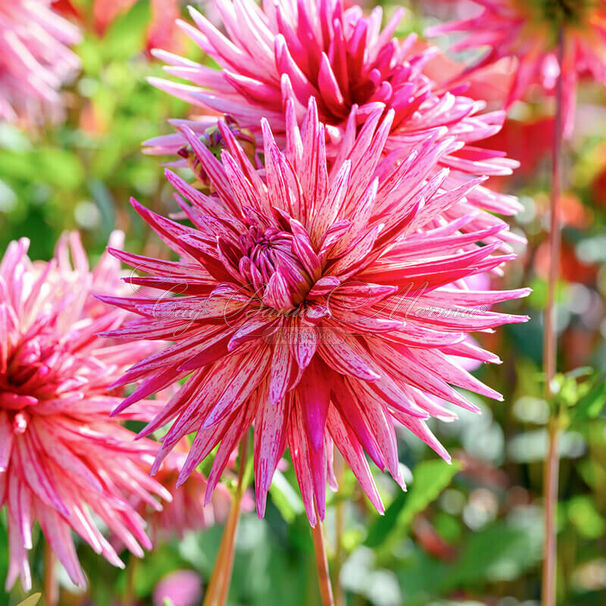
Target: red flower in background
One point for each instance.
(162, 29)
(106, 11)
(527, 142)
(490, 84)
(66, 8)
(598, 188)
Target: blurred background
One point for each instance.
(469, 533)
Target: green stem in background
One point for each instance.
(51, 586)
(218, 588)
(317, 533)
(131, 571)
(339, 465)
(551, 465)
(550, 497)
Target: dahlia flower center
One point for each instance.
(363, 90)
(354, 79)
(266, 252)
(269, 250)
(27, 375)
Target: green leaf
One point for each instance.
(104, 201)
(16, 165)
(583, 514)
(500, 552)
(125, 36)
(430, 479)
(591, 404)
(58, 167)
(32, 600)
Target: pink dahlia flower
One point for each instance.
(63, 461)
(318, 305)
(180, 588)
(528, 30)
(35, 60)
(294, 50)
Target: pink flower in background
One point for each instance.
(187, 511)
(318, 304)
(314, 48)
(297, 50)
(163, 30)
(490, 84)
(63, 461)
(180, 588)
(448, 9)
(528, 30)
(35, 60)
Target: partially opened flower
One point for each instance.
(318, 305)
(35, 60)
(529, 30)
(314, 48)
(63, 462)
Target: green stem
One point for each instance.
(550, 495)
(131, 571)
(551, 465)
(339, 558)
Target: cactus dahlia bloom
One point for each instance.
(63, 461)
(529, 31)
(318, 305)
(314, 48)
(35, 60)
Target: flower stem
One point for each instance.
(322, 563)
(550, 490)
(131, 571)
(51, 587)
(551, 465)
(218, 588)
(339, 465)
